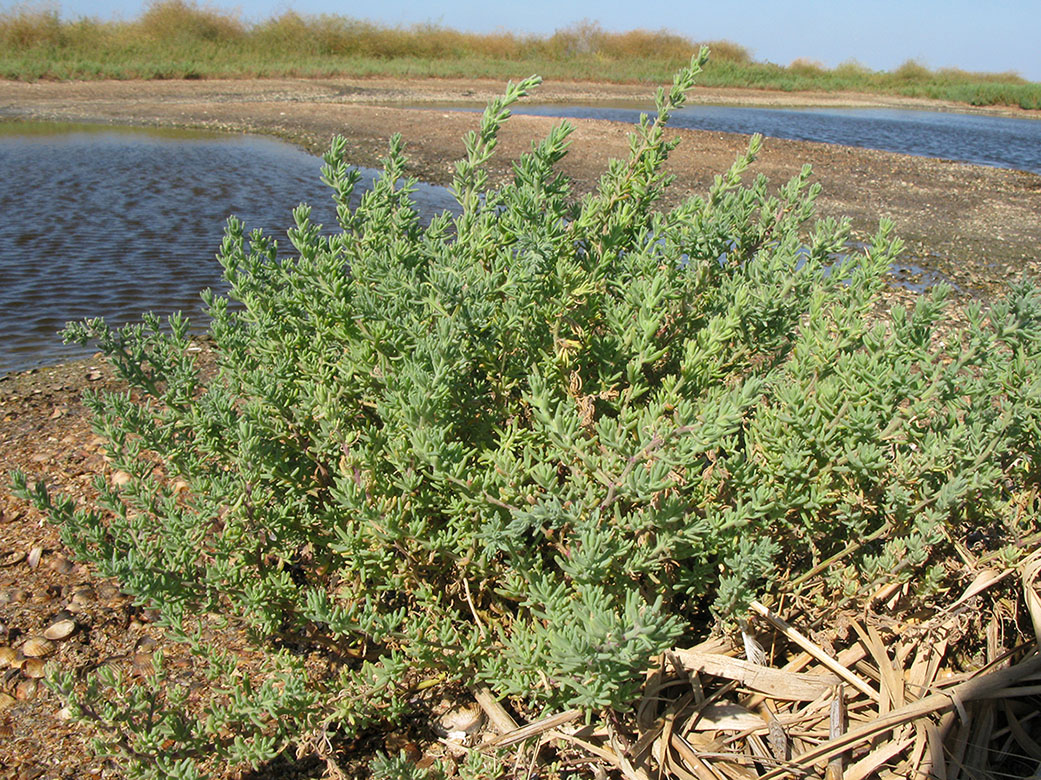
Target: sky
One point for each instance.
(976, 35)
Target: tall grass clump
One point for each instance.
(527, 447)
(179, 38)
(179, 22)
(27, 27)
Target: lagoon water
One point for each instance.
(115, 222)
(1003, 142)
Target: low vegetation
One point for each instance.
(177, 39)
(527, 448)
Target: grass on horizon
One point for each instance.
(178, 39)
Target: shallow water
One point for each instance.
(115, 222)
(1002, 142)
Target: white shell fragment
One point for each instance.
(461, 721)
(60, 630)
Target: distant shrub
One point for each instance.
(805, 67)
(728, 51)
(911, 71)
(185, 20)
(29, 26)
(589, 39)
(957, 75)
(851, 69)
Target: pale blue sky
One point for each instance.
(981, 35)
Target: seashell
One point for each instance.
(398, 743)
(120, 478)
(150, 615)
(461, 720)
(60, 629)
(81, 597)
(109, 591)
(33, 668)
(13, 595)
(60, 564)
(145, 644)
(8, 657)
(37, 647)
(26, 689)
(46, 596)
(11, 558)
(142, 664)
(6, 701)
(34, 557)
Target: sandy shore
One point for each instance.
(978, 226)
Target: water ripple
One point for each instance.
(117, 222)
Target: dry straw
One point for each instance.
(894, 700)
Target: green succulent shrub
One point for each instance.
(530, 445)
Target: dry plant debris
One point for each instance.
(880, 695)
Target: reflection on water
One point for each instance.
(116, 222)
